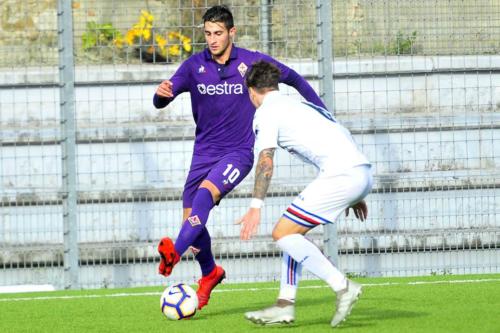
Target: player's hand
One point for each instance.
(249, 223)
(360, 210)
(165, 89)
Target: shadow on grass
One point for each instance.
(366, 317)
(366, 313)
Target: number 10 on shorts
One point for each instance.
(233, 173)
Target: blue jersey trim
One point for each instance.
(316, 216)
(322, 111)
(298, 222)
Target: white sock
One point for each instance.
(291, 271)
(310, 256)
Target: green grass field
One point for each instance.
(422, 304)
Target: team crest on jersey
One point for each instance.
(201, 70)
(194, 220)
(242, 68)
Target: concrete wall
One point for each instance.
(430, 126)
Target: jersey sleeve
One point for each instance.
(180, 83)
(266, 131)
(293, 79)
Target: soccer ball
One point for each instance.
(179, 301)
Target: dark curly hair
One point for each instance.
(263, 76)
(219, 13)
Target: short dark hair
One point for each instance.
(263, 76)
(220, 13)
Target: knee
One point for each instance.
(214, 191)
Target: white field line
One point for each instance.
(383, 284)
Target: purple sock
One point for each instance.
(194, 224)
(205, 257)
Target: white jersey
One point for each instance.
(306, 130)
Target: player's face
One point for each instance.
(218, 38)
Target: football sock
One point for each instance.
(291, 271)
(194, 224)
(310, 256)
(204, 257)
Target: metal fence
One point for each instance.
(91, 174)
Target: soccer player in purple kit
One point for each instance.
(223, 148)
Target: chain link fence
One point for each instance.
(418, 84)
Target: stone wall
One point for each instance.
(28, 34)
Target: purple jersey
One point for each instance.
(220, 104)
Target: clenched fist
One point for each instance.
(165, 89)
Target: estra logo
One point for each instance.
(220, 89)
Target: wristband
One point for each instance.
(256, 203)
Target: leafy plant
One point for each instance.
(98, 34)
(404, 44)
(151, 44)
(154, 45)
(401, 44)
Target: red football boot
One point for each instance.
(207, 283)
(169, 256)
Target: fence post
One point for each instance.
(325, 60)
(68, 142)
(265, 25)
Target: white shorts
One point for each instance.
(323, 200)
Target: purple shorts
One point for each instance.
(224, 171)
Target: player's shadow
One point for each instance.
(365, 314)
(366, 317)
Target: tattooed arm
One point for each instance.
(263, 174)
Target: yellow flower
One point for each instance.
(185, 39)
(147, 16)
(162, 42)
(172, 43)
(130, 36)
(142, 22)
(146, 33)
(174, 50)
(118, 41)
(186, 42)
(173, 35)
(137, 26)
(163, 52)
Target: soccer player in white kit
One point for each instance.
(344, 179)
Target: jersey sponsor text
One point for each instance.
(220, 89)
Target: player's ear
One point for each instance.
(232, 32)
(251, 95)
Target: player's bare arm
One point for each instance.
(263, 174)
(165, 89)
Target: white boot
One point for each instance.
(272, 315)
(345, 301)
